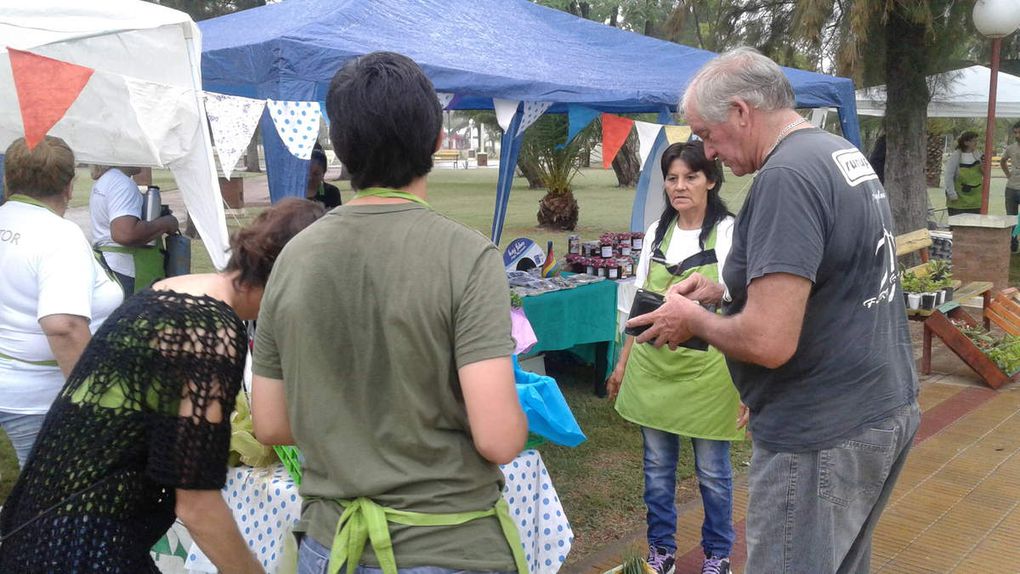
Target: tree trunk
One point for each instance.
(933, 165)
(906, 118)
(558, 211)
(251, 156)
(530, 173)
(627, 164)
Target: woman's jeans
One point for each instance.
(715, 480)
(22, 430)
(313, 558)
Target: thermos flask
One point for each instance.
(153, 204)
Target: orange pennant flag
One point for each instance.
(615, 130)
(46, 89)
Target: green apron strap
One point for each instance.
(21, 198)
(148, 263)
(363, 520)
(392, 193)
(45, 363)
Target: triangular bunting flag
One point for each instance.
(615, 130)
(45, 88)
(298, 125)
(325, 114)
(578, 118)
(505, 110)
(677, 134)
(532, 111)
(444, 99)
(164, 114)
(647, 133)
(233, 120)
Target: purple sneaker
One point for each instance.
(662, 561)
(716, 565)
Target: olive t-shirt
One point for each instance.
(367, 316)
(817, 210)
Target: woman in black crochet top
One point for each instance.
(139, 434)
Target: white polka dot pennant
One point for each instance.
(532, 111)
(233, 120)
(444, 99)
(298, 125)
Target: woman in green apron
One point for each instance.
(963, 176)
(686, 392)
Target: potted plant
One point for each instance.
(940, 271)
(928, 296)
(911, 292)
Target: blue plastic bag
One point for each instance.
(546, 409)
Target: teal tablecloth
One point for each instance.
(574, 319)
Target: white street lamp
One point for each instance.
(995, 19)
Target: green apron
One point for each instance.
(363, 521)
(685, 392)
(968, 187)
(148, 262)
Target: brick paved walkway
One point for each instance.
(954, 509)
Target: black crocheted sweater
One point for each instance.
(98, 489)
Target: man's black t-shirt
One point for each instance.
(817, 210)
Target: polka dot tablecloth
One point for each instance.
(266, 505)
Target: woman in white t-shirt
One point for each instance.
(684, 393)
(55, 292)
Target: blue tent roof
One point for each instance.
(510, 49)
(476, 49)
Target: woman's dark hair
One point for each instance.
(254, 249)
(693, 154)
(965, 137)
(319, 156)
(385, 119)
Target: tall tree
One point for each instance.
(204, 9)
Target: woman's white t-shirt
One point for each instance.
(48, 269)
(114, 195)
(682, 245)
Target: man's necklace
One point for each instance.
(785, 132)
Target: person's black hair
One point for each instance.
(964, 137)
(385, 120)
(693, 154)
(319, 156)
(1016, 126)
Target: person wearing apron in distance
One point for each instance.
(683, 392)
(963, 177)
(119, 232)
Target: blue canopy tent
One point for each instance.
(476, 49)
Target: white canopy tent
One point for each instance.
(143, 104)
(957, 94)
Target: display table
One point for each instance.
(266, 504)
(580, 316)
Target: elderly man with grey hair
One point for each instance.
(813, 329)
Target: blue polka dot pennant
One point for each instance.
(298, 125)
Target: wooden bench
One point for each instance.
(448, 155)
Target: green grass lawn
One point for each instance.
(599, 482)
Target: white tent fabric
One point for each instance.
(143, 104)
(958, 94)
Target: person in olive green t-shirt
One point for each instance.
(399, 389)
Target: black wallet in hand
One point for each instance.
(648, 301)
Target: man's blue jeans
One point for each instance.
(715, 480)
(22, 430)
(813, 512)
(313, 558)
